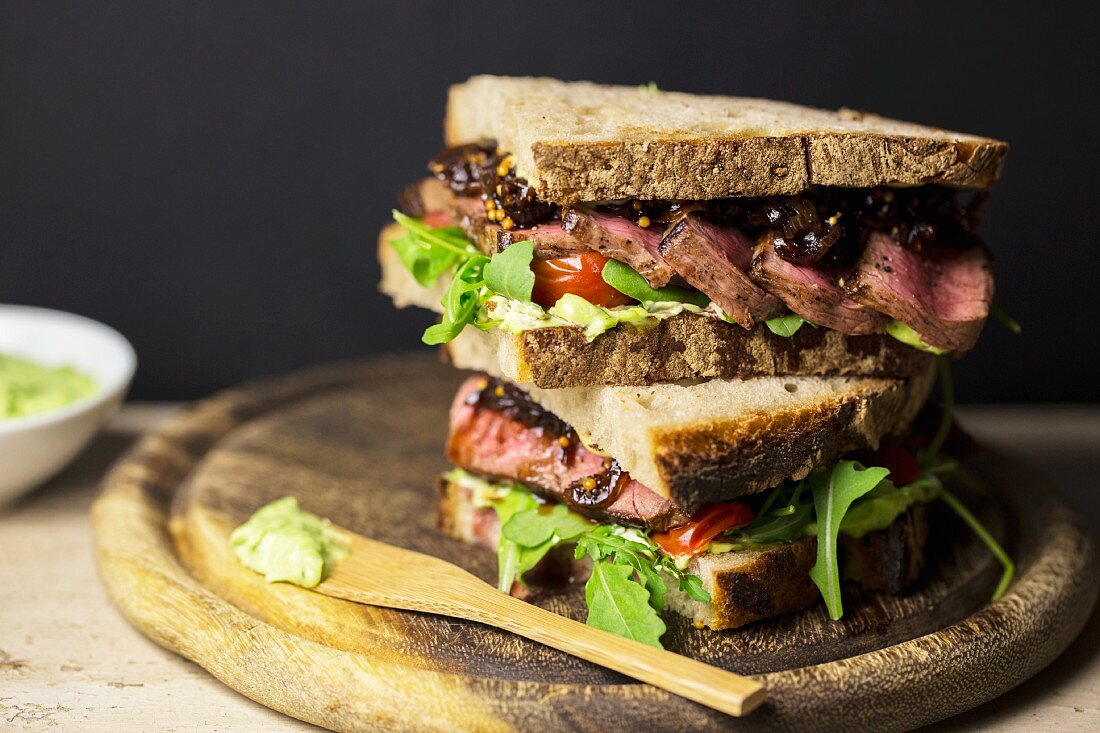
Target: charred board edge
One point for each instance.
(906, 685)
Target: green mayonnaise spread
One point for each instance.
(285, 543)
(28, 388)
(572, 310)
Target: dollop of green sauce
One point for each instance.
(517, 316)
(285, 543)
(28, 388)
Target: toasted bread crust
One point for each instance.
(716, 440)
(776, 580)
(578, 141)
(704, 169)
(748, 585)
(687, 346)
(708, 463)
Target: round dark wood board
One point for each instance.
(362, 444)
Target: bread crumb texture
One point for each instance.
(579, 141)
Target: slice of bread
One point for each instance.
(578, 141)
(715, 440)
(745, 585)
(398, 283)
(687, 346)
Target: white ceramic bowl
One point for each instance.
(32, 449)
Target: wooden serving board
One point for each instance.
(362, 443)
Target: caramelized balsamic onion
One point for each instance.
(832, 224)
(598, 490)
(821, 222)
(479, 169)
(512, 402)
(508, 400)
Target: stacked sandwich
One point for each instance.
(701, 328)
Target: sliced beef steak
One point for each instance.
(941, 293)
(813, 292)
(471, 216)
(550, 239)
(426, 197)
(500, 445)
(621, 239)
(716, 260)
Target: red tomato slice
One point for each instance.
(693, 537)
(440, 219)
(580, 275)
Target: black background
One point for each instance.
(209, 176)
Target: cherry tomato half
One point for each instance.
(579, 274)
(440, 219)
(893, 454)
(693, 537)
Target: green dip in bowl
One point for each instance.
(28, 388)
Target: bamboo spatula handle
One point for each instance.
(379, 574)
(708, 685)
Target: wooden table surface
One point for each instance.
(68, 661)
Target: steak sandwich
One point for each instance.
(700, 330)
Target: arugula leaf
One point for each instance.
(631, 548)
(533, 527)
(451, 238)
(786, 527)
(460, 302)
(635, 548)
(653, 583)
(509, 553)
(629, 565)
(528, 533)
(429, 251)
(509, 273)
(529, 557)
(1010, 323)
(947, 394)
(983, 534)
(512, 503)
(909, 337)
(618, 604)
(508, 561)
(627, 281)
(633, 560)
(425, 262)
(771, 498)
(785, 326)
(693, 586)
(834, 490)
(793, 504)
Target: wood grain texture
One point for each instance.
(379, 575)
(359, 443)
